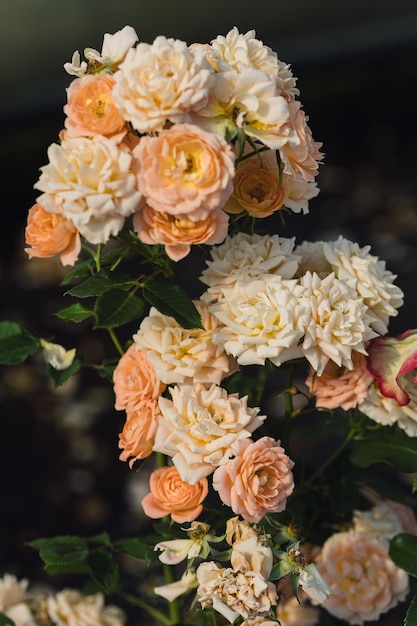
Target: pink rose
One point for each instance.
(257, 481)
(340, 387)
(178, 232)
(91, 111)
(49, 234)
(185, 171)
(390, 359)
(170, 495)
(364, 581)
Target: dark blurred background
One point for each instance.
(356, 64)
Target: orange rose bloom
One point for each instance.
(177, 232)
(50, 234)
(137, 390)
(170, 495)
(340, 387)
(91, 111)
(256, 187)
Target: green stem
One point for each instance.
(288, 408)
(116, 341)
(155, 613)
(174, 609)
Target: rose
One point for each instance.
(170, 495)
(90, 109)
(69, 606)
(185, 171)
(135, 380)
(138, 434)
(257, 480)
(49, 234)
(178, 232)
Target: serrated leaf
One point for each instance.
(403, 551)
(115, 308)
(6, 621)
(61, 550)
(75, 313)
(16, 343)
(132, 546)
(411, 615)
(104, 569)
(103, 537)
(171, 299)
(59, 377)
(82, 269)
(99, 284)
(394, 448)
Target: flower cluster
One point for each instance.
(168, 145)
(58, 608)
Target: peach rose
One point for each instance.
(170, 495)
(185, 171)
(256, 186)
(178, 232)
(340, 387)
(138, 434)
(363, 579)
(50, 234)
(91, 111)
(135, 380)
(257, 481)
(302, 157)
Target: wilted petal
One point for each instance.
(389, 359)
(174, 551)
(56, 355)
(172, 591)
(314, 584)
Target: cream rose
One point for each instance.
(257, 479)
(185, 171)
(180, 355)
(198, 426)
(304, 157)
(364, 581)
(161, 81)
(70, 607)
(91, 182)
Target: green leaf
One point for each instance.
(75, 313)
(100, 283)
(16, 343)
(403, 551)
(172, 300)
(103, 537)
(104, 569)
(281, 569)
(62, 550)
(133, 547)
(59, 377)
(115, 308)
(411, 615)
(6, 621)
(82, 269)
(107, 368)
(388, 446)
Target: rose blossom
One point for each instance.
(161, 81)
(12, 591)
(90, 109)
(257, 189)
(234, 593)
(257, 480)
(135, 380)
(381, 521)
(185, 170)
(252, 554)
(304, 157)
(387, 411)
(299, 193)
(91, 183)
(178, 232)
(250, 257)
(70, 607)
(340, 387)
(198, 426)
(364, 581)
(261, 319)
(338, 324)
(170, 495)
(182, 355)
(292, 613)
(49, 234)
(137, 437)
(367, 275)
